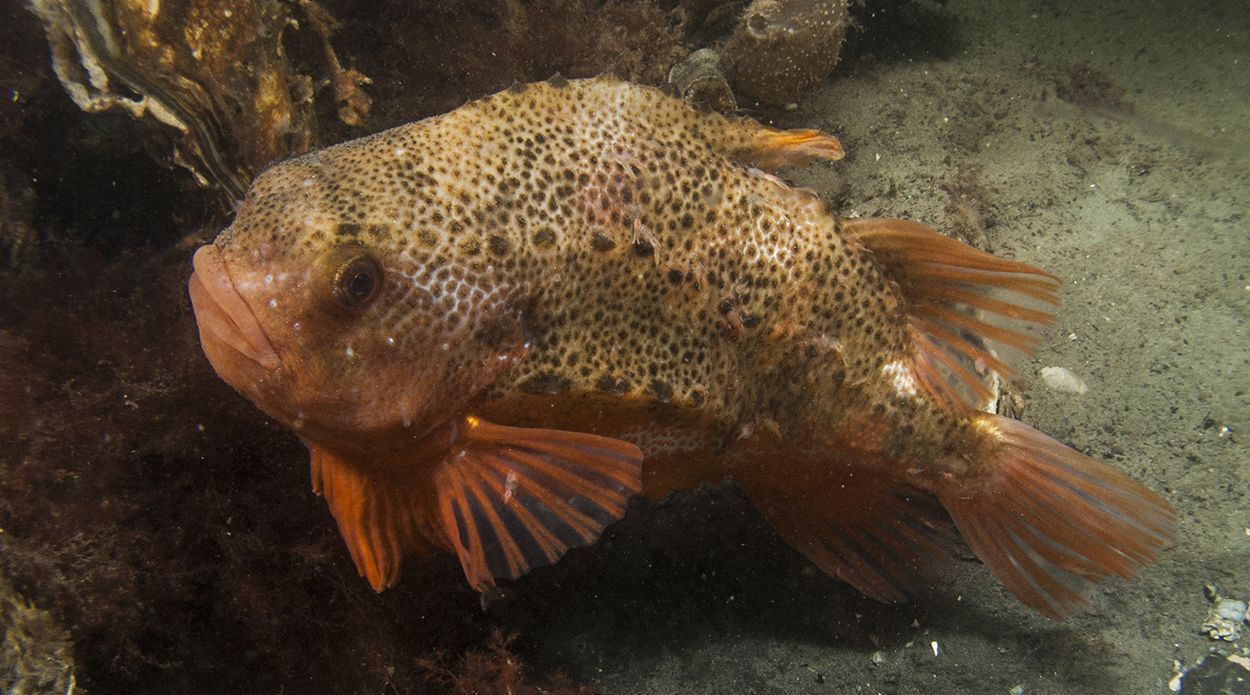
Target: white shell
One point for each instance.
(1063, 381)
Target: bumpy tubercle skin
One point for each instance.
(593, 256)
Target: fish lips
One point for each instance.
(230, 334)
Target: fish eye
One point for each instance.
(356, 281)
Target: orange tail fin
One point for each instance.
(952, 292)
(1051, 522)
(852, 520)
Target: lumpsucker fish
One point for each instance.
(493, 327)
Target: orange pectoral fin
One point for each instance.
(377, 516)
(511, 499)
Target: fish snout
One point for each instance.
(229, 329)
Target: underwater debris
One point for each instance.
(700, 81)
(967, 217)
(1227, 617)
(19, 242)
(782, 48)
(1216, 673)
(215, 73)
(495, 669)
(1084, 86)
(1063, 380)
(35, 653)
(354, 102)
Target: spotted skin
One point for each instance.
(647, 259)
(600, 258)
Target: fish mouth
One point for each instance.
(224, 318)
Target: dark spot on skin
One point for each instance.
(544, 237)
(348, 229)
(750, 320)
(499, 245)
(662, 390)
(427, 237)
(611, 384)
(643, 249)
(600, 242)
(471, 247)
(675, 277)
(545, 384)
(697, 399)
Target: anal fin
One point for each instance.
(512, 498)
(1050, 522)
(851, 519)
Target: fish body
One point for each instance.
(494, 326)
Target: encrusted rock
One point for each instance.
(782, 48)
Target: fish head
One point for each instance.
(345, 331)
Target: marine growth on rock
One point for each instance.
(782, 48)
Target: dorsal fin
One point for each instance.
(951, 291)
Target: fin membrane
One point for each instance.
(857, 524)
(1050, 522)
(511, 499)
(772, 149)
(957, 300)
(377, 518)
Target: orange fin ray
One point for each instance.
(511, 499)
(876, 533)
(377, 519)
(941, 333)
(1051, 523)
(771, 149)
(949, 290)
(927, 347)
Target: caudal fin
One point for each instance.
(1050, 522)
